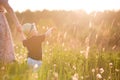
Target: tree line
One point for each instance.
(102, 28)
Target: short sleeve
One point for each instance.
(24, 42)
(41, 37)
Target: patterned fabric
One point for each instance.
(1, 7)
(6, 44)
(1, 1)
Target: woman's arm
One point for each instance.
(11, 13)
(23, 37)
(14, 18)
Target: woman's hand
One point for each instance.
(19, 29)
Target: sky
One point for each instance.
(87, 5)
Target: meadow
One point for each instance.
(70, 53)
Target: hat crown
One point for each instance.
(29, 28)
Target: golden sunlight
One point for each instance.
(87, 5)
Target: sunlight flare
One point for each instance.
(87, 5)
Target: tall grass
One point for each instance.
(60, 64)
(67, 55)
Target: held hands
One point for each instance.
(19, 29)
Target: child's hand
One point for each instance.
(53, 28)
(49, 31)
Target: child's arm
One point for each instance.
(49, 31)
(14, 18)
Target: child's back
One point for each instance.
(33, 43)
(34, 46)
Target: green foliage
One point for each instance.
(103, 27)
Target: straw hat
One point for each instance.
(28, 28)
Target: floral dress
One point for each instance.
(6, 42)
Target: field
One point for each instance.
(70, 53)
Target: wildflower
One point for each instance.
(54, 65)
(35, 75)
(117, 70)
(55, 74)
(99, 76)
(43, 27)
(96, 37)
(90, 24)
(87, 51)
(109, 77)
(50, 50)
(65, 34)
(2, 68)
(75, 76)
(82, 77)
(93, 70)
(63, 44)
(68, 64)
(65, 49)
(111, 65)
(101, 70)
(74, 67)
(47, 42)
(103, 49)
(47, 28)
(82, 52)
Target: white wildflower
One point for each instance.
(101, 70)
(99, 76)
(2, 68)
(117, 70)
(82, 77)
(55, 74)
(75, 77)
(93, 70)
(111, 65)
(74, 67)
